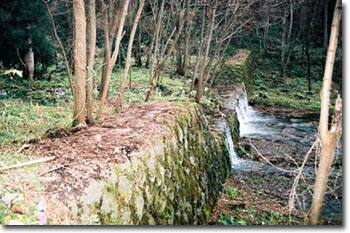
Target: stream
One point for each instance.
(299, 133)
(279, 137)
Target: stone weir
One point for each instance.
(152, 164)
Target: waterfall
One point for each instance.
(249, 125)
(236, 162)
(233, 155)
(251, 122)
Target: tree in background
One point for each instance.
(113, 17)
(225, 19)
(119, 101)
(25, 35)
(90, 55)
(164, 42)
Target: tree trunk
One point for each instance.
(202, 66)
(179, 64)
(113, 58)
(266, 28)
(329, 138)
(138, 53)
(283, 40)
(155, 42)
(325, 29)
(107, 46)
(186, 56)
(29, 57)
(119, 102)
(79, 61)
(29, 62)
(187, 46)
(308, 61)
(91, 48)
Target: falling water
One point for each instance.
(235, 160)
(252, 123)
(297, 132)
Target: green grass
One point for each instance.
(21, 121)
(270, 89)
(292, 93)
(170, 89)
(232, 192)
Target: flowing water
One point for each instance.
(299, 133)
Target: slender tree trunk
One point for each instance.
(186, 56)
(199, 52)
(325, 29)
(202, 66)
(91, 48)
(283, 40)
(329, 138)
(79, 61)
(266, 28)
(179, 64)
(308, 61)
(29, 57)
(187, 46)
(113, 59)
(107, 46)
(156, 49)
(138, 53)
(119, 102)
(29, 62)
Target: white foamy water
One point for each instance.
(251, 122)
(233, 155)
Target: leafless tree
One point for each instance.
(79, 61)
(120, 96)
(164, 43)
(91, 48)
(329, 136)
(113, 25)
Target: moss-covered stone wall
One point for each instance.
(234, 126)
(175, 181)
(237, 69)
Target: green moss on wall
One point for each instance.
(234, 126)
(237, 69)
(176, 181)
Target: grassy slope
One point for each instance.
(270, 89)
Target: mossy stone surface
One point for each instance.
(176, 181)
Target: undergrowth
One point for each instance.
(26, 113)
